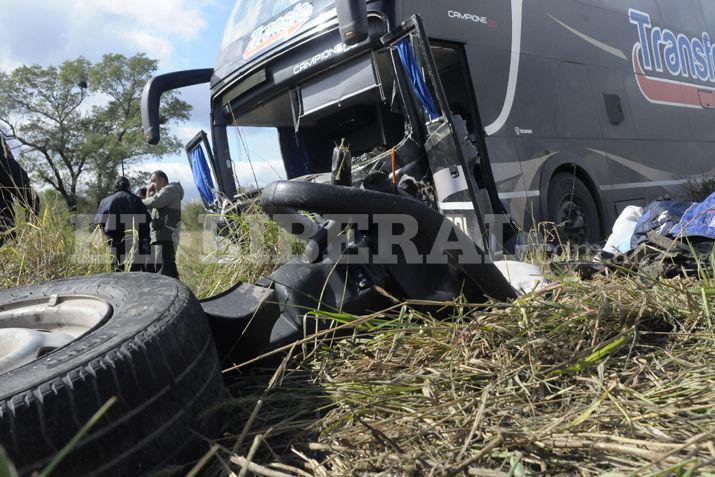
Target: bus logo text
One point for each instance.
(320, 57)
(660, 50)
(471, 17)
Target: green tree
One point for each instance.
(192, 215)
(71, 145)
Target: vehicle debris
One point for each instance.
(665, 239)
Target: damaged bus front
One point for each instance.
(284, 65)
(321, 73)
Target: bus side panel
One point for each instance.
(572, 53)
(617, 138)
(657, 147)
(581, 32)
(684, 16)
(554, 122)
(542, 160)
(707, 8)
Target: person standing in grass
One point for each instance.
(15, 188)
(124, 218)
(164, 202)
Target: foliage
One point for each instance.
(52, 246)
(248, 247)
(7, 469)
(49, 247)
(79, 123)
(192, 216)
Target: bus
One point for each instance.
(566, 110)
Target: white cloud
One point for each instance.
(48, 32)
(185, 133)
(52, 31)
(199, 97)
(153, 45)
(7, 63)
(164, 17)
(266, 172)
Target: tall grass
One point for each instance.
(48, 247)
(614, 376)
(249, 247)
(52, 246)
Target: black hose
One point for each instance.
(333, 199)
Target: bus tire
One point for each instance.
(153, 351)
(573, 209)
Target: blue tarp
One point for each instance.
(407, 58)
(698, 220)
(659, 216)
(202, 174)
(676, 219)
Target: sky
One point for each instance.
(181, 34)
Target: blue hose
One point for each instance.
(409, 63)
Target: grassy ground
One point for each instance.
(614, 376)
(610, 377)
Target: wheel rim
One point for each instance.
(31, 329)
(572, 220)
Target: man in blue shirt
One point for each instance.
(125, 222)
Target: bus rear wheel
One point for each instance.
(573, 209)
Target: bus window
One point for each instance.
(256, 155)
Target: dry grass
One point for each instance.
(250, 248)
(610, 377)
(48, 247)
(585, 378)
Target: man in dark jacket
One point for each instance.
(164, 202)
(15, 188)
(125, 221)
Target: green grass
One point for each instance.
(614, 376)
(47, 248)
(7, 469)
(50, 247)
(251, 247)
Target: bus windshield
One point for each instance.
(256, 154)
(256, 25)
(249, 14)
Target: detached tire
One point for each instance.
(154, 352)
(573, 209)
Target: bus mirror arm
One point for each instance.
(158, 85)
